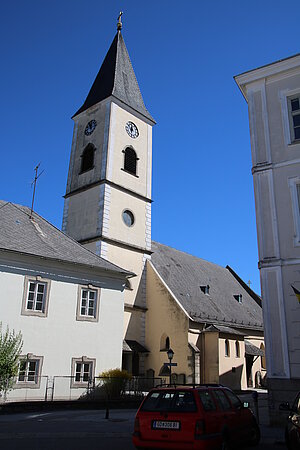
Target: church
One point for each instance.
(175, 300)
(126, 299)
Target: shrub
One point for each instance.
(114, 382)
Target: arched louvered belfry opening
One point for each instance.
(87, 158)
(130, 160)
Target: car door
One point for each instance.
(242, 417)
(226, 416)
(211, 415)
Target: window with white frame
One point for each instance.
(294, 117)
(294, 185)
(29, 375)
(28, 371)
(88, 303)
(82, 371)
(35, 296)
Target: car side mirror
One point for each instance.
(284, 406)
(246, 405)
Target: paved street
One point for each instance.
(81, 430)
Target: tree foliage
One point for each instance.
(10, 349)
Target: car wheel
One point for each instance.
(254, 435)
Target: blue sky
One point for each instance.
(185, 55)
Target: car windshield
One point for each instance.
(171, 401)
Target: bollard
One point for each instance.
(255, 404)
(107, 409)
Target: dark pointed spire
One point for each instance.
(116, 77)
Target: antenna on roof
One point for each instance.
(249, 284)
(119, 25)
(34, 185)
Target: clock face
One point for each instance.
(90, 127)
(132, 130)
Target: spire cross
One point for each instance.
(249, 283)
(34, 185)
(119, 25)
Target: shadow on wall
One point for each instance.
(132, 361)
(232, 378)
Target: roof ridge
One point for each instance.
(19, 208)
(4, 204)
(120, 36)
(190, 254)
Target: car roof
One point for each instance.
(188, 386)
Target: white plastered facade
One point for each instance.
(58, 336)
(276, 168)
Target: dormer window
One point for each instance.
(130, 160)
(205, 289)
(239, 298)
(87, 158)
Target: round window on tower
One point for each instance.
(128, 217)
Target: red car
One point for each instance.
(194, 417)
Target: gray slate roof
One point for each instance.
(38, 237)
(184, 274)
(251, 349)
(116, 77)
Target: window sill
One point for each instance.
(87, 319)
(24, 385)
(29, 312)
(130, 173)
(85, 171)
(79, 385)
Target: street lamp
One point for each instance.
(170, 354)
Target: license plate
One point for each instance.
(165, 425)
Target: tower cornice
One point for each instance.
(110, 183)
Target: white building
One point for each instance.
(273, 96)
(67, 302)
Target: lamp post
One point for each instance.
(170, 354)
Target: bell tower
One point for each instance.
(108, 196)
